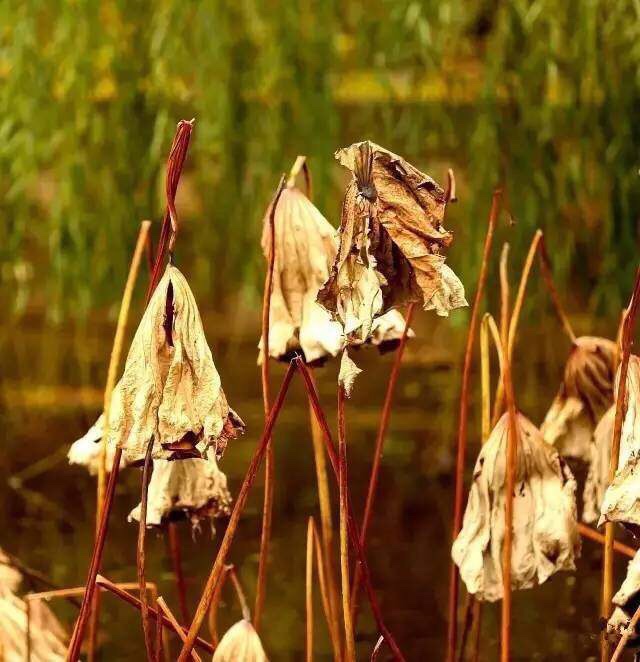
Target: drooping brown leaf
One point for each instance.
(305, 248)
(392, 243)
(584, 396)
(348, 373)
(194, 489)
(170, 389)
(598, 475)
(545, 535)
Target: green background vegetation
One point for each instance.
(540, 96)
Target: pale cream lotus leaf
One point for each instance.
(194, 488)
(598, 475)
(545, 535)
(348, 373)
(626, 599)
(585, 394)
(47, 636)
(86, 450)
(170, 390)
(240, 643)
(621, 501)
(392, 243)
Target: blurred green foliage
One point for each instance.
(538, 95)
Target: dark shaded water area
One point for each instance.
(51, 391)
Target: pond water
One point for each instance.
(51, 392)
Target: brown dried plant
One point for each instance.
(584, 396)
(392, 244)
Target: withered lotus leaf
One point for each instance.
(621, 501)
(195, 489)
(545, 536)
(305, 248)
(240, 643)
(170, 390)
(348, 373)
(392, 243)
(625, 600)
(585, 394)
(47, 638)
(86, 450)
(598, 475)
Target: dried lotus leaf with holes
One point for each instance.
(598, 475)
(584, 396)
(305, 248)
(170, 390)
(86, 450)
(195, 489)
(47, 637)
(392, 243)
(626, 600)
(240, 643)
(621, 501)
(545, 536)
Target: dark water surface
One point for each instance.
(51, 391)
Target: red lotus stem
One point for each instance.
(352, 530)
(140, 552)
(218, 565)
(452, 633)
(269, 470)
(377, 456)
(173, 542)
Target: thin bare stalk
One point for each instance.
(159, 646)
(256, 461)
(591, 534)
(28, 630)
(175, 554)
(327, 538)
(309, 593)
(607, 568)
(112, 373)
(458, 506)
(324, 593)
(269, 477)
(504, 294)
(354, 535)
(115, 589)
(215, 604)
(377, 456)
(626, 635)
(350, 645)
(175, 164)
(176, 626)
(140, 552)
(237, 587)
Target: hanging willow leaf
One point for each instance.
(170, 389)
(392, 243)
(584, 396)
(305, 248)
(545, 536)
(193, 489)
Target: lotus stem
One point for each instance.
(173, 542)
(350, 645)
(269, 478)
(104, 583)
(607, 568)
(377, 455)
(112, 373)
(454, 587)
(215, 603)
(328, 561)
(591, 534)
(309, 593)
(354, 535)
(237, 587)
(324, 593)
(176, 626)
(140, 551)
(504, 294)
(301, 164)
(256, 461)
